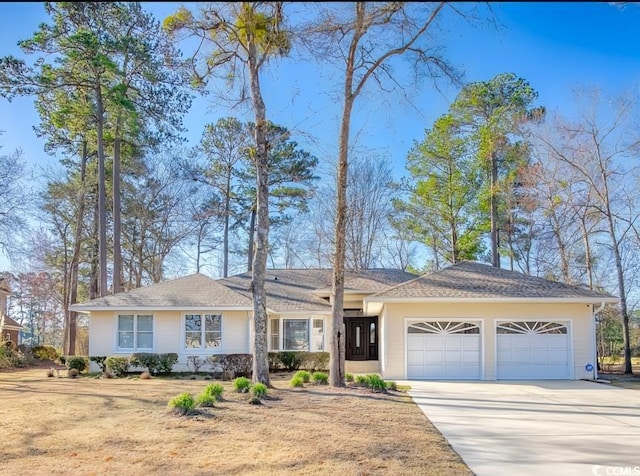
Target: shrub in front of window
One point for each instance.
(314, 360)
(361, 380)
(304, 375)
(296, 381)
(232, 364)
(241, 384)
(290, 360)
(275, 363)
(320, 378)
(195, 363)
(348, 377)
(392, 386)
(100, 361)
(77, 362)
(44, 352)
(148, 360)
(182, 404)
(118, 366)
(73, 373)
(167, 361)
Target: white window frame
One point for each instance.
(136, 347)
(202, 349)
(309, 339)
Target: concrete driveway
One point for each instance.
(536, 427)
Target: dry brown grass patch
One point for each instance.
(121, 426)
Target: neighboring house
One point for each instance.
(10, 330)
(467, 321)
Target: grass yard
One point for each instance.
(89, 426)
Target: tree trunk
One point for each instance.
(259, 321)
(495, 255)
(93, 283)
(252, 231)
(117, 248)
(71, 331)
(225, 237)
(102, 198)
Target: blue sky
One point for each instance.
(555, 46)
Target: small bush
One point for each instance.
(348, 377)
(10, 357)
(304, 375)
(290, 361)
(259, 390)
(147, 360)
(392, 386)
(78, 363)
(376, 383)
(320, 377)
(182, 404)
(361, 380)
(195, 363)
(205, 399)
(296, 381)
(73, 373)
(44, 352)
(166, 362)
(108, 374)
(274, 361)
(100, 361)
(145, 375)
(215, 389)
(232, 364)
(242, 384)
(119, 366)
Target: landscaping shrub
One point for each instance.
(275, 363)
(182, 404)
(232, 364)
(242, 384)
(362, 380)
(166, 362)
(314, 360)
(320, 377)
(304, 375)
(10, 357)
(77, 362)
(259, 390)
(44, 352)
(205, 399)
(100, 360)
(73, 373)
(147, 360)
(119, 366)
(290, 361)
(145, 375)
(215, 389)
(392, 386)
(195, 363)
(348, 377)
(376, 383)
(297, 381)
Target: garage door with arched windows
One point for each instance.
(533, 350)
(443, 350)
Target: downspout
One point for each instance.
(595, 341)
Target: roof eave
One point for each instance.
(579, 300)
(81, 308)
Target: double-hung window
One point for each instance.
(305, 335)
(135, 332)
(202, 331)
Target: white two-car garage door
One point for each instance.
(532, 350)
(443, 350)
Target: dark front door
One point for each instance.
(361, 338)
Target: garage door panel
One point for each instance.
(532, 350)
(443, 350)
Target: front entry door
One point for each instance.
(361, 338)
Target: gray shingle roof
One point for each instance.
(470, 280)
(190, 292)
(294, 289)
